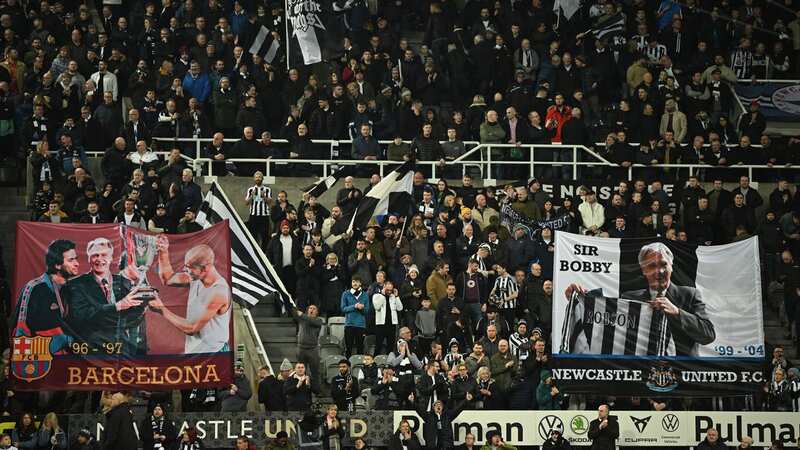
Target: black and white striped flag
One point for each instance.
(597, 325)
(265, 45)
(611, 29)
(391, 194)
(252, 274)
(315, 190)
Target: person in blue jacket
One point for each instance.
(197, 83)
(355, 306)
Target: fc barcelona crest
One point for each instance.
(31, 358)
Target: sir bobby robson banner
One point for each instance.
(653, 317)
(110, 306)
(636, 428)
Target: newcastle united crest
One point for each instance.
(662, 378)
(31, 358)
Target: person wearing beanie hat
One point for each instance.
(83, 440)
(157, 431)
(235, 397)
(548, 396)
(520, 342)
(281, 442)
(411, 294)
(494, 441)
(556, 440)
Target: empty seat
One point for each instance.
(369, 344)
(336, 320)
(337, 330)
(357, 361)
(381, 360)
(329, 345)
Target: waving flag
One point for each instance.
(252, 274)
(265, 45)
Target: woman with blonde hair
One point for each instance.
(488, 394)
(333, 279)
(51, 436)
(332, 429)
(45, 167)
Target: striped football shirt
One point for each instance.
(596, 325)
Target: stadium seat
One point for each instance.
(329, 345)
(323, 331)
(336, 327)
(380, 360)
(367, 394)
(369, 344)
(356, 362)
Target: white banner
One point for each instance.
(636, 428)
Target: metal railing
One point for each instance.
(482, 156)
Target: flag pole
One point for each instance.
(286, 33)
(403, 230)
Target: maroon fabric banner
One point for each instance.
(114, 307)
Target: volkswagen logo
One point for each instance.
(670, 423)
(548, 424)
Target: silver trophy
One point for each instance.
(141, 250)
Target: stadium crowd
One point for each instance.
(454, 303)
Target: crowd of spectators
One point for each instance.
(458, 307)
(458, 304)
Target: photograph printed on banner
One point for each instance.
(112, 305)
(657, 315)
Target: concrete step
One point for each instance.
(269, 327)
(263, 309)
(278, 352)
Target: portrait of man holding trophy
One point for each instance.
(208, 306)
(106, 310)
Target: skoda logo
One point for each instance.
(670, 423)
(548, 424)
(579, 425)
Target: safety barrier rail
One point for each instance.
(482, 156)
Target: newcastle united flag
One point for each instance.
(391, 195)
(252, 274)
(265, 45)
(315, 190)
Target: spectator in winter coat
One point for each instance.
(711, 442)
(548, 397)
(355, 306)
(309, 326)
(604, 431)
(298, 389)
(157, 430)
(120, 432)
(361, 263)
(504, 366)
(270, 391)
(234, 399)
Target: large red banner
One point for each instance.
(114, 307)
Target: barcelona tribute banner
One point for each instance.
(657, 317)
(115, 307)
